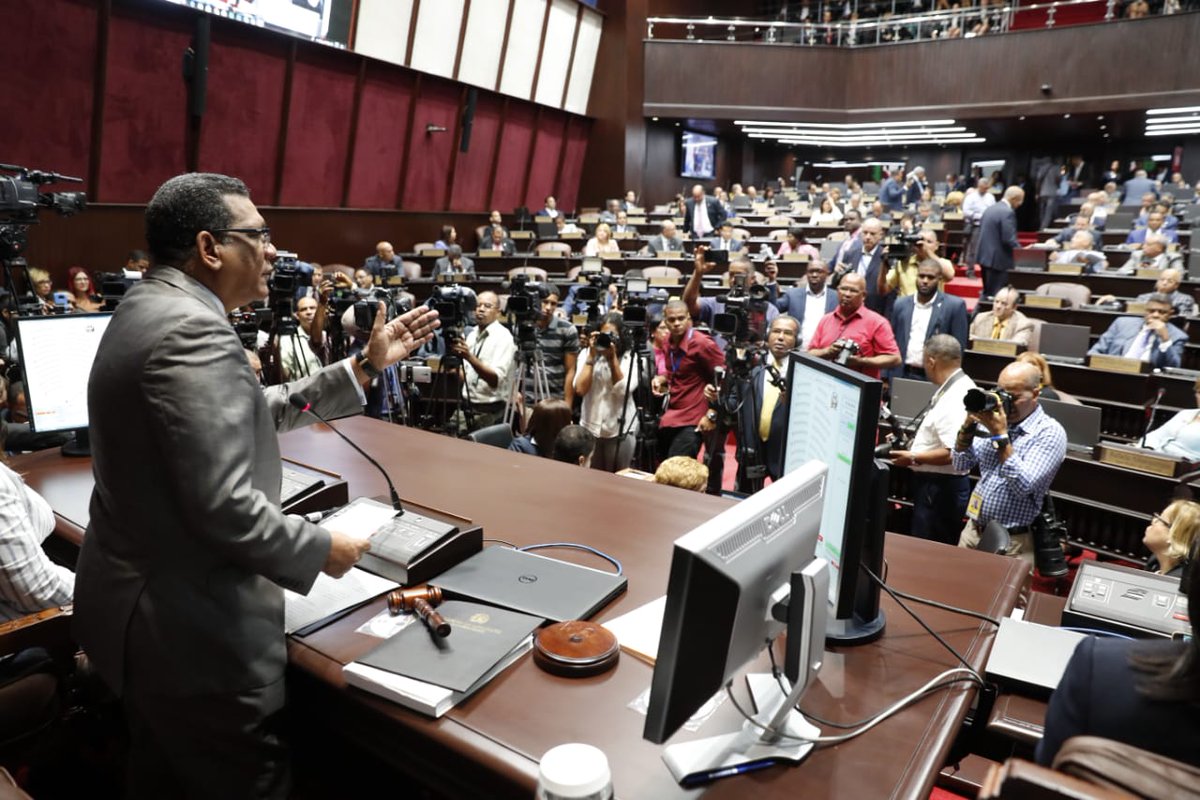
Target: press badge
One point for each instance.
(974, 505)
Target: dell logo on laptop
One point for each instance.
(527, 579)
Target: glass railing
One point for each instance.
(889, 28)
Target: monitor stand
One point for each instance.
(80, 446)
(703, 760)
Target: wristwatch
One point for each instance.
(367, 367)
(1000, 441)
(711, 415)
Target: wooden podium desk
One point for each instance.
(489, 745)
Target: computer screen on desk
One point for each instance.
(1067, 341)
(725, 575)
(833, 416)
(56, 355)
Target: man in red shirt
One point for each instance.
(692, 356)
(850, 321)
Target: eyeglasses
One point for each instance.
(1159, 518)
(261, 234)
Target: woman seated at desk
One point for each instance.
(29, 580)
(1049, 391)
(602, 242)
(1170, 535)
(1180, 436)
(545, 421)
(1143, 693)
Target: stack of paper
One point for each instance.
(330, 599)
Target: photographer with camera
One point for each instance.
(1018, 453)
(902, 277)
(608, 409)
(939, 492)
(487, 354)
(303, 352)
(692, 359)
(554, 339)
(853, 335)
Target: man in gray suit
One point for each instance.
(179, 587)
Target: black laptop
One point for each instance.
(545, 587)
(1082, 423)
(1065, 344)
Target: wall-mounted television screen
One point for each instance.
(698, 155)
(324, 21)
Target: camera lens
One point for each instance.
(603, 341)
(976, 400)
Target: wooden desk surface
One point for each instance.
(489, 746)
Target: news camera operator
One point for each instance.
(742, 278)
(1018, 449)
(602, 380)
(487, 356)
(558, 342)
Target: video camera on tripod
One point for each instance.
(525, 310)
(456, 309)
(286, 277)
(744, 320)
(20, 201)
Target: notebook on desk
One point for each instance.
(545, 587)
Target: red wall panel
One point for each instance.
(572, 168)
(474, 167)
(429, 153)
(379, 148)
(318, 130)
(145, 106)
(547, 147)
(240, 132)
(515, 141)
(48, 64)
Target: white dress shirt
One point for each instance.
(941, 424)
(701, 226)
(814, 309)
(497, 351)
(600, 409)
(922, 313)
(29, 580)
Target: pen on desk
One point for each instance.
(698, 778)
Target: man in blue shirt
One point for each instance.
(891, 193)
(1018, 457)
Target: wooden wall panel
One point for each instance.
(515, 141)
(48, 63)
(382, 138)
(318, 138)
(543, 169)
(145, 105)
(240, 133)
(429, 153)
(473, 169)
(572, 166)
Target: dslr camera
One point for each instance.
(849, 349)
(979, 400)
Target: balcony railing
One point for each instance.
(889, 29)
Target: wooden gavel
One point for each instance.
(420, 602)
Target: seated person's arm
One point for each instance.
(29, 580)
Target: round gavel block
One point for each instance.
(575, 649)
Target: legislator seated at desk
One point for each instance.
(1141, 693)
(454, 263)
(1180, 435)
(1003, 321)
(1167, 283)
(1151, 338)
(1170, 536)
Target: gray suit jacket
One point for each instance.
(178, 581)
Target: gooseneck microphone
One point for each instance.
(299, 402)
(1150, 412)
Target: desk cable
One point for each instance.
(936, 604)
(586, 548)
(924, 624)
(943, 680)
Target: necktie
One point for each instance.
(770, 399)
(997, 328)
(1142, 345)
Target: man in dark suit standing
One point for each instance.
(808, 303)
(702, 214)
(179, 588)
(917, 317)
(998, 240)
(762, 420)
(864, 256)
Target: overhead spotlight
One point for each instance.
(1021, 118)
(431, 128)
(1047, 89)
(654, 119)
(1066, 116)
(1100, 116)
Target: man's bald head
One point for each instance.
(385, 251)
